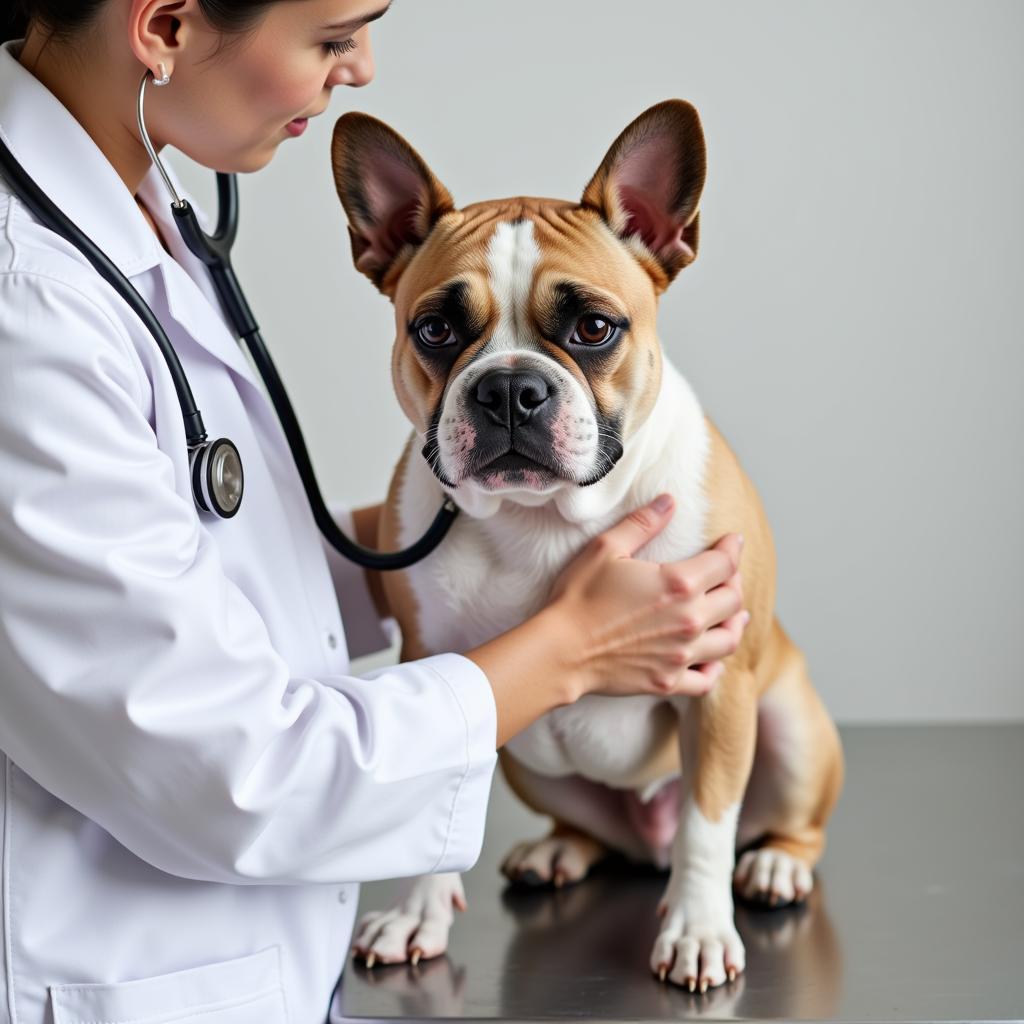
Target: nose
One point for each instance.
(356, 69)
(511, 397)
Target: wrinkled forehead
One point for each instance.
(506, 263)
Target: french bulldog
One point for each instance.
(528, 362)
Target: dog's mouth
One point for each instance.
(515, 469)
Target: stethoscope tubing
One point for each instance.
(215, 253)
(51, 216)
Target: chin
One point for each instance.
(249, 160)
(512, 474)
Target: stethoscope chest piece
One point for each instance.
(217, 479)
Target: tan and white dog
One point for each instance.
(527, 360)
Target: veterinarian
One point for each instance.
(193, 784)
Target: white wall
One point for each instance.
(853, 323)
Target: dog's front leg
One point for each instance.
(698, 945)
(416, 927)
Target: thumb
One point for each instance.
(632, 532)
(732, 545)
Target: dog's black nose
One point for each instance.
(511, 397)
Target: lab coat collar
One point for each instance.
(62, 158)
(70, 168)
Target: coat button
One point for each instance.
(332, 641)
(342, 896)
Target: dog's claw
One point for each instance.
(691, 984)
(559, 879)
(731, 973)
(371, 959)
(416, 954)
(662, 971)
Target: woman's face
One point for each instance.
(232, 110)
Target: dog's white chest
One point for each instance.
(489, 575)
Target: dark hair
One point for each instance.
(63, 18)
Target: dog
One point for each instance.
(528, 362)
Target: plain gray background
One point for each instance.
(853, 323)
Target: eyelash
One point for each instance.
(343, 47)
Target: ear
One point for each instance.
(390, 196)
(649, 184)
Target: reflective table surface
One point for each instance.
(917, 913)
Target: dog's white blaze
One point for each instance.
(512, 258)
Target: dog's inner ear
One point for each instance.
(390, 196)
(649, 184)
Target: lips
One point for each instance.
(514, 467)
(511, 462)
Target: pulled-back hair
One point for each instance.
(61, 19)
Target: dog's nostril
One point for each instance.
(488, 394)
(533, 393)
(511, 396)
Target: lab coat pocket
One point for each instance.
(243, 991)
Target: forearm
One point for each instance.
(528, 671)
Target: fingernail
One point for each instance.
(662, 503)
(740, 535)
(746, 618)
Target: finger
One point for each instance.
(735, 581)
(693, 576)
(731, 543)
(631, 533)
(699, 680)
(721, 641)
(718, 605)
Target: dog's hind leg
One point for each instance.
(590, 822)
(794, 783)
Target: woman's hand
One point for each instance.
(618, 625)
(637, 627)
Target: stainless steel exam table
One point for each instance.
(918, 913)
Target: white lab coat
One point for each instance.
(191, 782)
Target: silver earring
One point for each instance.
(164, 76)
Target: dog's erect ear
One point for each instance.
(389, 194)
(649, 184)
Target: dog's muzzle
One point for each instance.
(512, 411)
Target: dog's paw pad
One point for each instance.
(558, 860)
(772, 876)
(697, 959)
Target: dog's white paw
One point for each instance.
(417, 927)
(698, 946)
(561, 858)
(772, 876)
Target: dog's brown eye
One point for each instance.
(434, 331)
(593, 330)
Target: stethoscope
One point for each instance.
(216, 466)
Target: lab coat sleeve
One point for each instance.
(138, 683)
(365, 631)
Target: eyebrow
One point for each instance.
(348, 26)
(455, 303)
